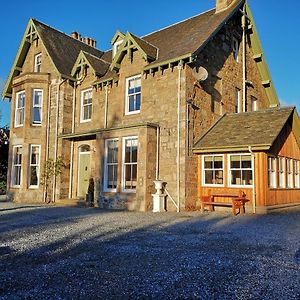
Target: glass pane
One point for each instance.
(246, 162)
(235, 162)
(208, 177)
(208, 162)
(138, 101)
(134, 154)
(33, 176)
(218, 162)
(218, 177)
(132, 103)
(236, 177)
(127, 155)
(37, 115)
(246, 177)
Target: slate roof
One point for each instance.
(256, 129)
(98, 64)
(63, 49)
(148, 48)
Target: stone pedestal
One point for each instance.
(159, 202)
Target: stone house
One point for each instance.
(125, 117)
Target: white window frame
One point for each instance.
(241, 169)
(203, 171)
(238, 106)
(116, 47)
(289, 173)
(40, 106)
(37, 63)
(253, 103)
(19, 109)
(272, 172)
(34, 165)
(235, 48)
(14, 166)
(123, 162)
(127, 112)
(82, 106)
(281, 173)
(106, 165)
(296, 173)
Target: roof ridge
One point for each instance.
(99, 58)
(67, 35)
(177, 23)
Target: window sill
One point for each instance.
(132, 113)
(85, 121)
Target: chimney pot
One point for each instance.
(75, 35)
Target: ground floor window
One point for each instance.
(111, 165)
(16, 166)
(34, 165)
(272, 172)
(289, 171)
(296, 173)
(130, 153)
(281, 172)
(213, 171)
(240, 170)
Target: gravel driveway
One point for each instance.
(77, 253)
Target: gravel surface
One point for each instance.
(78, 253)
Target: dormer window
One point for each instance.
(116, 47)
(38, 63)
(235, 49)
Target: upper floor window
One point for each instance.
(34, 165)
(235, 49)
(38, 62)
(16, 166)
(86, 105)
(213, 170)
(19, 110)
(130, 153)
(253, 104)
(238, 101)
(240, 170)
(111, 165)
(116, 47)
(37, 101)
(133, 95)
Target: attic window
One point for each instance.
(116, 47)
(38, 63)
(235, 49)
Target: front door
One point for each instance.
(84, 174)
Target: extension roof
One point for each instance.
(257, 129)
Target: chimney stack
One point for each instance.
(87, 40)
(223, 4)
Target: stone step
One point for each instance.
(71, 203)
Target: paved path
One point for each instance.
(72, 253)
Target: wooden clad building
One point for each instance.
(256, 152)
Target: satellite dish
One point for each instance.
(200, 73)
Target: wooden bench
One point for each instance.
(237, 202)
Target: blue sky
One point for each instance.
(278, 25)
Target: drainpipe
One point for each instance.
(253, 178)
(178, 136)
(105, 108)
(56, 134)
(157, 152)
(244, 57)
(47, 132)
(72, 142)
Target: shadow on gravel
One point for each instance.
(92, 253)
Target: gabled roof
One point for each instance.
(98, 65)
(257, 129)
(62, 48)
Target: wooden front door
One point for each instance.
(84, 173)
